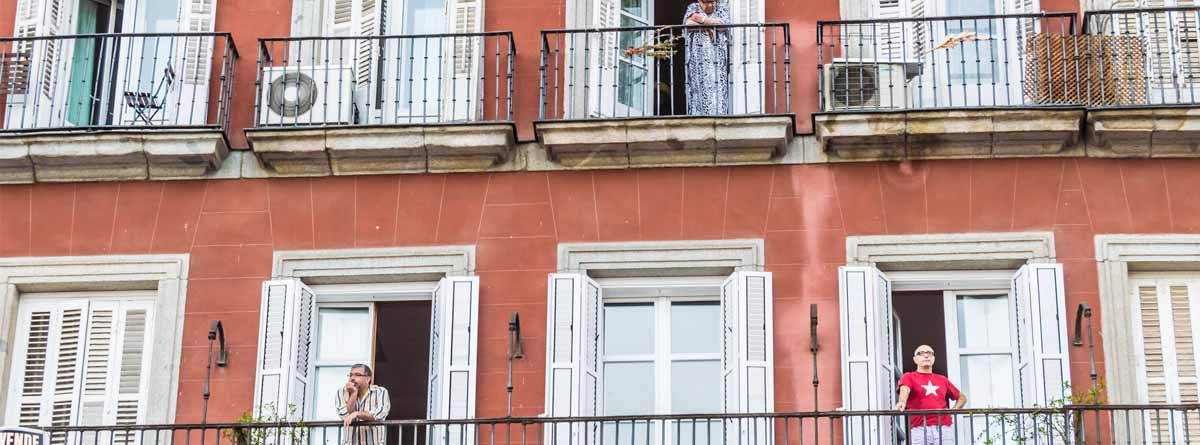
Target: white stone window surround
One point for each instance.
(374, 265)
(164, 274)
(1117, 256)
(662, 258)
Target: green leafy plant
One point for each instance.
(264, 428)
(1059, 420)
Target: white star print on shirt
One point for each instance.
(930, 388)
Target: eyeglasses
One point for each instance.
(929, 353)
(359, 374)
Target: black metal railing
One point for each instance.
(385, 80)
(97, 81)
(981, 61)
(630, 72)
(1072, 424)
(1153, 54)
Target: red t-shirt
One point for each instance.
(928, 391)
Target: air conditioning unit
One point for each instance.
(307, 95)
(866, 84)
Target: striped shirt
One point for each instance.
(375, 402)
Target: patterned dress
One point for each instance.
(707, 52)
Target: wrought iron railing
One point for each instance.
(636, 72)
(979, 61)
(97, 81)
(385, 80)
(1154, 54)
(1076, 424)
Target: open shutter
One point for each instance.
(1043, 368)
(890, 37)
(453, 352)
(573, 381)
(868, 359)
(48, 358)
(39, 76)
(195, 70)
(601, 49)
(284, 348)
(114, 386)
(746, 57)
(747, 356)
(462, 88)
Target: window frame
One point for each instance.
(357, 296)
(1170, 366)
(954, 352)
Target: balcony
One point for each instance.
(114, 106)
(1070, 424)
(1156, 71)
(949, 87)
(620, 97)
(388, 104)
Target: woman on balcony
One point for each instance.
(707, 52)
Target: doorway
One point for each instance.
(87, 89)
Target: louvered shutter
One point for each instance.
(1042, 329)
(888, 38)
(462, 85)
(1167, 316)
(35, 18)
(746, 57)
(602, 52)
(194, 71)
(453, 350)
(284, 348)
(49, 357)
(1186, 39)
(573, 380)
(868, 356)
(746, 355)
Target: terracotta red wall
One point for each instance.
(231, 228)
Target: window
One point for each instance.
(308, 342)
(81, 360)
(1167, 313)
(700, 348)
(1003, 347)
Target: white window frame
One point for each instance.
(661, 293)
(165, 275)
(356, 296)
(955, 352)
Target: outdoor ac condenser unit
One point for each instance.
(864, 84)
(307, 95)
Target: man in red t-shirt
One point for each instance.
(924, 390)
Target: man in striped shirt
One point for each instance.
(360, 401)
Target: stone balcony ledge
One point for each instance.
(950, 134)
(665, 141)
(1144, 132)
(75, 156)
(382, 149)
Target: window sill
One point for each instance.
(113, 155)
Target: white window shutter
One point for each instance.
(284, 348)
(453, 352)
(198, 16)
(1168, 311)
(602, 58)
(453, 348)
(746, 56)
(868, 359)
(462, 85)
(1042, 363)
(573, 381)
(747, 356)
(49, 358)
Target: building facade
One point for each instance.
(395, 182)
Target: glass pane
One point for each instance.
(696, 387)
(700, 431)
(637, 8)
(628, 328)
(329, 380)
(696, 327)
(983, 321)
(344, 334)
(631, 432)
(988, 380)
(631, 80)
(628, 388)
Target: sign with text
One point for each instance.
(23, 436)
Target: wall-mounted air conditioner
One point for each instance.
(307, 95)
(865, 84)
